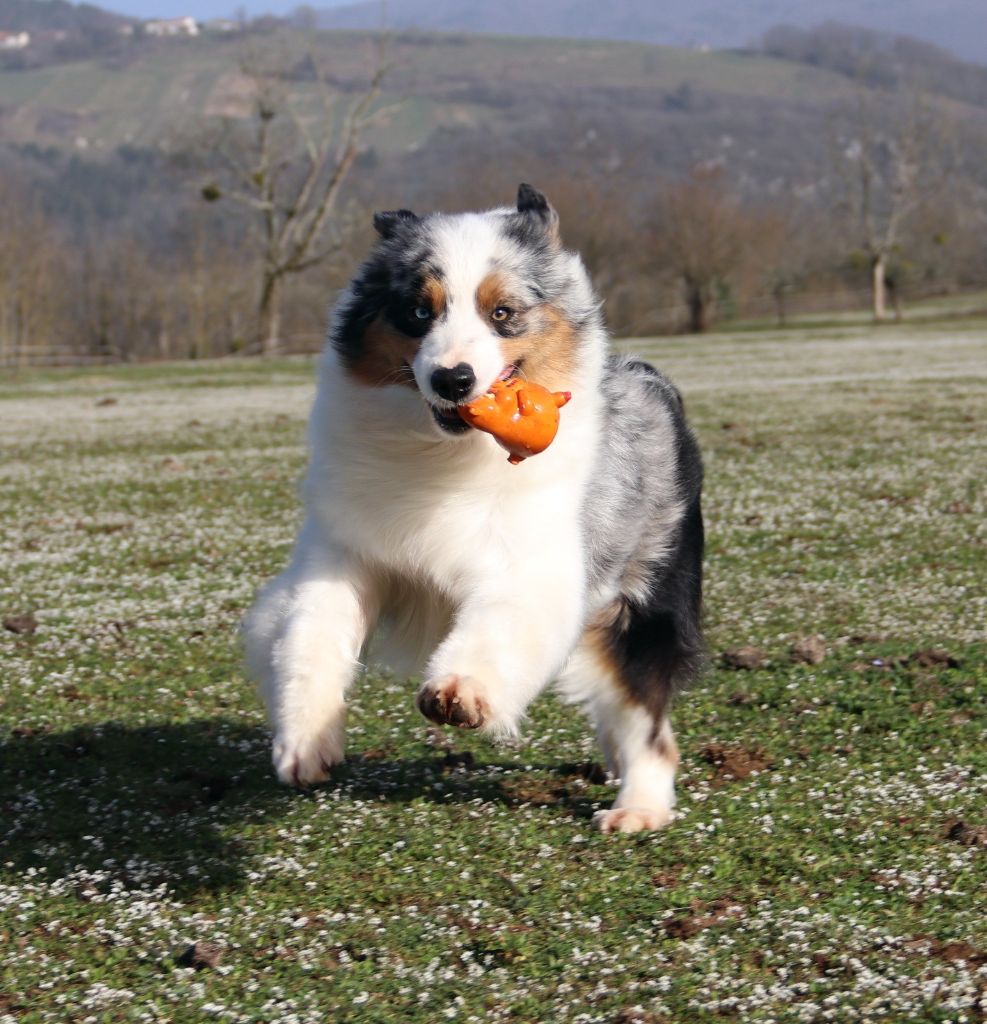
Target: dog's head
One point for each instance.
(447, 305)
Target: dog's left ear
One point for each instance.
(388, 223)
(538, 209)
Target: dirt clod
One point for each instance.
(932, 658)
(528, 790)
(667, 879)
(633, 1016)
(21, 624)
(810, 650)
(201, 955)
(744, 658)
(966, 834)
(706, 916)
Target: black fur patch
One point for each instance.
(389, 222)
(390, 282)
(657, 646)
(653, 637)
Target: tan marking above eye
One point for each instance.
(491, 293)
(434, 296)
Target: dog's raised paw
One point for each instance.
(631, 819)
(454, 700)
(304, 761)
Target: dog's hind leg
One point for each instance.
(630, 661)
(647, 758)
(303, 639)
(636, 739)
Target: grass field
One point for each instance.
(827, 860)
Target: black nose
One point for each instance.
(455, 384)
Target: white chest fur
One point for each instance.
(392, 492)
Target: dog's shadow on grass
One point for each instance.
(180, 803)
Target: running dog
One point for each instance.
(581, 565)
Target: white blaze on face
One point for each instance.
(466, 248)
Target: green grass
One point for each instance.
(440, 877)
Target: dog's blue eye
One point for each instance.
(422, 313)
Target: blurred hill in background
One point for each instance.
(958, 25)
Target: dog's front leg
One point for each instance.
(510, 638)
(303, 639)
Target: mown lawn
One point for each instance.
(827, 861)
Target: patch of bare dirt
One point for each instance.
(733, 762)
(928, 945)
(527, 790)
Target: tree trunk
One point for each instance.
(269, 315)
(698, 303)
(877, 286)
(896, 302)
(781, 306)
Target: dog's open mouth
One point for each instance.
(448, 418)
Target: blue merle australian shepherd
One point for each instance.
(582, 565)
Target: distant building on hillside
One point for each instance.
(186, 26)
(14, 40)
(221, 25)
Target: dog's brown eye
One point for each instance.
(500, 314)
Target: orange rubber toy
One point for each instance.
(522, 417)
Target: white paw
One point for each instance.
(454, 700)
(302, 760)
(632, 819)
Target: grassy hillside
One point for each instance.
(444, 82)
(955, 24)
(642, 110)
(827, 860)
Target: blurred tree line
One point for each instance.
(236, 238)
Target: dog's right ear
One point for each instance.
(388, 223)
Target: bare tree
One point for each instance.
(290, 175)
(699, 235)
(786, 245)
(886, 155)
(30, 296)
